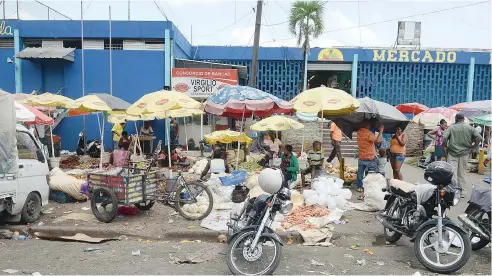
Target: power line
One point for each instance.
(227, 27)
(52, 8)
(390, 20)
(160, 9)
(267, 25)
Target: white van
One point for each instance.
(22, 194)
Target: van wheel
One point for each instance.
(32, 208)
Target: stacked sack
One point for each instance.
(327, 192)
(198, 167)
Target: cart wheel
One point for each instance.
(144, 205)
(104, 204)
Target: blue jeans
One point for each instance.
(369, 165)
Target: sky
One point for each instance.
(445, 24)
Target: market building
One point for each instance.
(149, 56)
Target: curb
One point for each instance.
(199, 234)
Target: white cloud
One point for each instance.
(23, 15)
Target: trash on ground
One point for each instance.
(85, 208)
(316, 263)
(188, 241)
(380, 263)
(355, 247)
(48, 210)
(191, 227)
(77, 237)
(170, 221)
(222, 238)
(92, 249)
(36, 274)
(19, 237)
(123, 238)
(361, 262)
(368, 251)
(136, 253)
(40, 223)
(5, 234)
(10, 271)
(417, 274)
(290, 240)
(348, 256)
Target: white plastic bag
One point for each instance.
(330, 202)
(308, 193)
(315, 199)
(340, 201)
(345, 193)
(60, 181)
(373, 184)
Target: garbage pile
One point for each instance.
(350, 172)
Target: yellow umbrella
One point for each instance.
(162, 101)
(89, 103)
(329, 101)
(276, 123)
(48, 99)
(226, 137)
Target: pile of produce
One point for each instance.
(198, 167)
(251, 164)
(350, 172)
(70, 162)
(299, 216)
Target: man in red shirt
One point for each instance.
(366, 142)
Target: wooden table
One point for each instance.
(147, 138)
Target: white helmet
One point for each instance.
(270, 180)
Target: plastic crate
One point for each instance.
(236, 177)
(128, 187)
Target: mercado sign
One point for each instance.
(398, 55)
(201, 83)
(5, 29)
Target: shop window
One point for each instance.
(72, 43)
(25, 146)
(116, 44)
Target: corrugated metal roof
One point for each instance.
(47, 53)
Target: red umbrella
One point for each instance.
(413, 108)
(31, 116)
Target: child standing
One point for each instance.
(382, 161)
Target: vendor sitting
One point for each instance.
(315, 161)
(289, 166)
(121, 156)
(124, 141)
(216, 165)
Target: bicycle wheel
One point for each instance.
(193, 201)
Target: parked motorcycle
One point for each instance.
(93, 147)
(255, 248)
(476, 218)
(411, 210)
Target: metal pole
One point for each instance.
(191, 38)
(239, 141)
(355, 64)
(82, 64)
(471, 75)
(128, 10)
(3, 9)
(304, 86)
(110, 56)
(18, 10)
(48, 14)
(256, 44)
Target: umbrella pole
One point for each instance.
(51, 133)
(102, 144)
(303, 139)
(239, 141)
(186, 136)
(322, 124)
(168, 127)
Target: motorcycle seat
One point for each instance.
(406, 187)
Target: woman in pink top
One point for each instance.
(437, 135)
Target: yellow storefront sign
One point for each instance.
(394, 55)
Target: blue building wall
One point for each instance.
(435, 78)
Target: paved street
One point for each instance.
(159, 255)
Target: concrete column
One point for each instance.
(18, 62)
(471, 74)
(167, 58)
(305, 72)
(355, 64)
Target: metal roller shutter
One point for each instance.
(329, 67)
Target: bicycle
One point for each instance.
(180, 194)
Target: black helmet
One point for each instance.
(439, 173)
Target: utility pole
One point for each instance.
(18, 10)
(191, 35)
(256, 44)
(128, 10)
(3, 9)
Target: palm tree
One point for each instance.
(306, 23)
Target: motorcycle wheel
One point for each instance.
(240, 257)
(392, 236)
(187, 195)
(477, 243)
(423, 242)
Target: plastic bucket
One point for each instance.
(54, 162)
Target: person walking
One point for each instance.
(437, 135)
(367, 141)
(398, 151)
(117, 130)
(336, 140)
(174, 131)
(460, 139)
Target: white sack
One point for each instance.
(60, 181)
